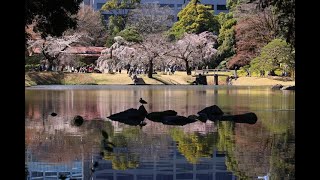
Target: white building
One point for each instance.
(217, 5)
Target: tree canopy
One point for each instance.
(285, 11)
(195, 18)
(51, 17)
(114, 6)
(130, 35)
(226, 38)
(276, 54)
(254, 29)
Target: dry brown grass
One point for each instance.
(122, 78)
(258, 81)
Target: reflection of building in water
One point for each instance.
(173, 167)
(77, 169)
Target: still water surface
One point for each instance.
(204, 151)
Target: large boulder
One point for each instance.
(158, 116)
(78, 120)
(288, 88)
(130, 116)
(177, 120)
(276, 87)
(249, 118)
(212, 112)
(203, 117)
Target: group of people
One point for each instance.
(79, 69)
(137, 70)
(170, 69)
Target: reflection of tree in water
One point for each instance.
(226, 142)
(260, 149)
(122, 161)
(194, 145)
(282, 143)
(132, 144)
(121, 157)
(282, 157)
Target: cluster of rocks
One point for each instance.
(136, 117)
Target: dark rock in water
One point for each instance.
(203, 117)
(131, 117)
(277, 87)
(177, 120)
(195, 117)
(78, 120)
(249, 118)
(289, 88)
(54, 114)
(143, 110)
(214, 117)
(158, 116)
(212, 112)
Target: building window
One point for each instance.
(99, 5)
(221, 7)
(179, 6)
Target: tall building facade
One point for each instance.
(176, 5)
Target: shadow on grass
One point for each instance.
(46, 78)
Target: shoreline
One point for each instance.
(179, 78)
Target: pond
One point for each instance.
(199, 150)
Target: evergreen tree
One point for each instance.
(195, 18)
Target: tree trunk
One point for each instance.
(150, 72)
(188, 68)
(50, 60)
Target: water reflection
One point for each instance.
(221, 150)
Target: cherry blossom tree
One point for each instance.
(194, 49)
(52, 47)
(154, 48)
(119, 54)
